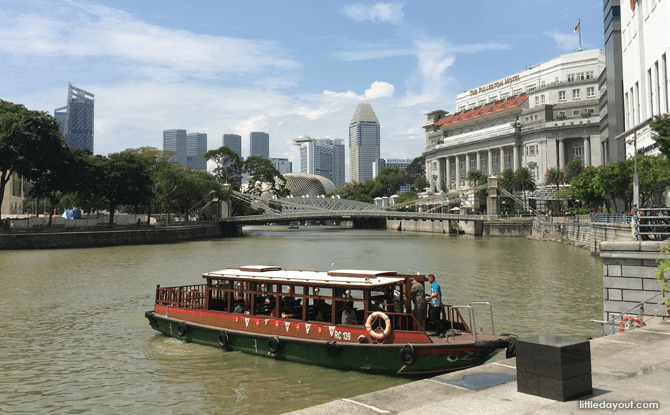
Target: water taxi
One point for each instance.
(343, 319)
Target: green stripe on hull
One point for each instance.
(382, 359)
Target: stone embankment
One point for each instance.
(628, 367)
(587, 235)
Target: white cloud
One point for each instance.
(77, 31)
(433, 59)
(376, 90)
(380, 12)
(567, 42)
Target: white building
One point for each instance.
(323, 157)
(645, 45)
(539, 118)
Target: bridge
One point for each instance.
(362, 215)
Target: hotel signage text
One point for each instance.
(495, 85)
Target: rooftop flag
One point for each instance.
(576, 27)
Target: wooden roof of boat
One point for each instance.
(342, 277)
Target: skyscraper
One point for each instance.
(283, 166)
(233, 142)
(76, 119)
(364, 142)
(196, 147)
(323, 157)
(259, 144)
(175, 140)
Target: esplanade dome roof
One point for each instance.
(312, 185)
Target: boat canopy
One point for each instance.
(351, 278)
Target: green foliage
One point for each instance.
(264, 177)
(416, 170)
(661, 126)
(421, 183)
(660, 274)
(524, 181)
(30, 144)
(228, 168)
(572, 170)
(356, 191)
(476, 178)
(555, 176)
(388, 182)
(195, 189)
(507, 180)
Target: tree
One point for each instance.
(264, 177)
(507, 181)
(163, 174)
(388, 182)
(30, 143)
(555, 176)
(573, 169)
(661, 127)
(194, 188)
(228, 168)
(476, 178)
(524, 181)
(421, 183)
(415, 170)
(584, 186)
(356, 191)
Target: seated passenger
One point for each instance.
(240, 307)
(286, 311)
(349, 314)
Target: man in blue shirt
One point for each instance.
(435, 299)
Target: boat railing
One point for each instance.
(471, 315)
(186, 296)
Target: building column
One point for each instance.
(587, 151)
(479, 161)
(448, 172)
(515, 157)
(489, 161)
(439, 175)
(458, 171)
(467, 164)
(561, 154)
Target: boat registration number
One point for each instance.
(342, 335)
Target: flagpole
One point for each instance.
(580, 34)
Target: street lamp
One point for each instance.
(636, 178)
(659, 189)
(627, 194)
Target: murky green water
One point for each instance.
(74, 337)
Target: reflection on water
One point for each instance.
(75, 338)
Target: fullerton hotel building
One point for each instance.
(540, 118)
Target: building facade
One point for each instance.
(283, 166)
(196, 147)
(259, 144)
(13, 201)
(364, 142)
(645, 50)
(322, 157)
(76, 119)
(175, 140)
(540, 118)
(233, 142)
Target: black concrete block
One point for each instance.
(566, 389)
(527, 383)
(553, 357)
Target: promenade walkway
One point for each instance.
(626, 367)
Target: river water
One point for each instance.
(74, 338)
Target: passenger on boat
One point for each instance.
(320, 309)
(418, 295)
(240, 307)
(286, 311)
(435, 298)
(349, 314)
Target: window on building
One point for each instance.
(530, 87)
(561, 95)
(536, 116)
(542, 99)
(504, 96)
(591, 92)
(561, 115)
(472, 163)
(541, 84)
(590, 111)
(571, 77)
(537, 100)
(493, 99)
(575, 113)
(556, 80)
(517, 92)
(526, 119)
(575, 93)
(531, 150)
(461, 108)
(650, 88)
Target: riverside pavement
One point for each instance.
(633, 366)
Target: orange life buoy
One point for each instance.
(387, 326)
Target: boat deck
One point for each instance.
(464, 338)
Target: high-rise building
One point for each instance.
(76, 119)
(259, 144)
(175, 140)
(196, 147)
(282, 165)
(233, 142)
(364, 142)
(323, 157)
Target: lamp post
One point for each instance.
(636, 178)
(659, 189)
(627, 194)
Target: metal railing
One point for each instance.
(641, 313)
(471, 315)
(651, 224)
(612, 217)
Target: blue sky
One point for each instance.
(288, 68)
